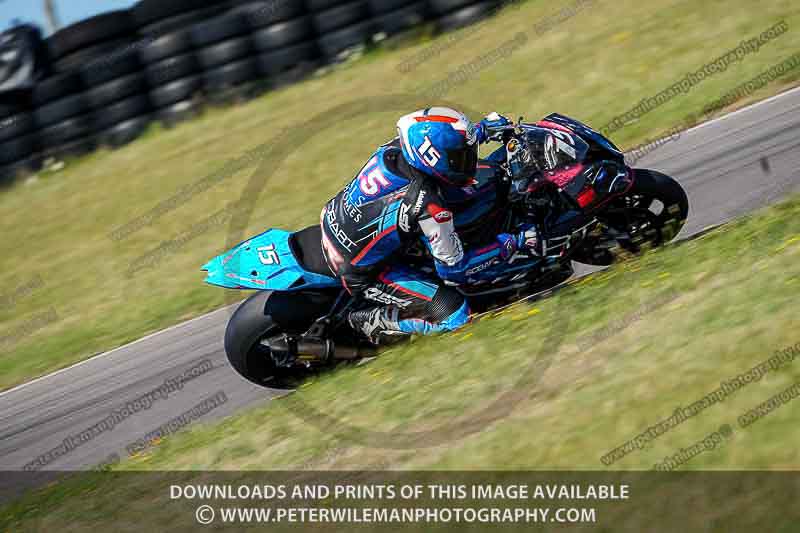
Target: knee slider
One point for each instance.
(448, 307)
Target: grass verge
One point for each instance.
(552, 385)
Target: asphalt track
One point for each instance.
(729, 166)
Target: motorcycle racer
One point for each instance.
(396, 199)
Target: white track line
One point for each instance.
(95, 357)
(103, 354)
(750, 107)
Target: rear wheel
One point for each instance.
(248, 325)
(266, 315)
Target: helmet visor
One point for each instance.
(464, 161)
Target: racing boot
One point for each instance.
(376, 323)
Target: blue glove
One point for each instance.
(508, 245)
(491, 122)
(526, 240)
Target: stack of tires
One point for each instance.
(168, 56)
(396, 16)
(116, 94)
(173, 75)
(113, 73)
(72, 47)
(340, 25)
(159, 17)
(19, 142)
(62, 116)
(86, 56)
(226, 55)
(283, 37)
(454, 14)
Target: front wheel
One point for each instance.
(651, 213)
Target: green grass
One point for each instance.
(527, 389)
(593, 66)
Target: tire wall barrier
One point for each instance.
(109, 76)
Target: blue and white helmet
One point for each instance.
(440, 142)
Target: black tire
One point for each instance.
(245, 329)
(442, 7)
(280, 61)
(175, 91)
(224, 52)
(595, 258)
(178, 112)
(17, 148)
(76, 148)
(315, 6)
(656, 210)
(666, 190)
(66, 131)
(85, 33)
(231, 74)
(231, 95)
(466, 16)
(121, 61)
(268, 12)
(292, 75)
(402, 19)
(378, 7)
(332, 44)
(121, 111)
(101, 53)
(266, 314)
(16, 125)
(147, 12)
(283, 34)
(158, 48)
(55, 87)
(181, 22)
(59, 110)
(125, 132)
(115, 90)
(10, 171)
(172, 68)
(340, 16)
(222, 28)
(14, 103)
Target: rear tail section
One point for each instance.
(264, 262)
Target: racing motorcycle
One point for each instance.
(558, 173)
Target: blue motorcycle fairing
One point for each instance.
(264, 262)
